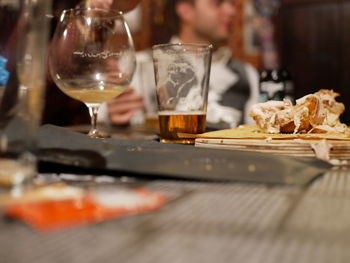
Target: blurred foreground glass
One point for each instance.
(92, 58)
(182, 79)
(23, 42)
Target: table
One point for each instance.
(206, 222)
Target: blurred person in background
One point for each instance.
(233, 84)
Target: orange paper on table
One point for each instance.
(54, 215)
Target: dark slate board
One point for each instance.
(62, 150)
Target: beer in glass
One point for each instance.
(182, 78)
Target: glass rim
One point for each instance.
(112, 12)
(193, 45)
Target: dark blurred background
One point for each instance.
(314, 43)
(310, 38)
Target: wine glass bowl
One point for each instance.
(92, 57)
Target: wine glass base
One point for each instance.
(98, 135)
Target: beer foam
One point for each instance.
(181, 77)
(191, 102)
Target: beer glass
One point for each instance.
(182, 79)
(146, 84)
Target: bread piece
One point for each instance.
(318, 112)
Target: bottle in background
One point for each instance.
(288, 85)
(275, 84)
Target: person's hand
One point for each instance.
(122, 108)
(121, 5)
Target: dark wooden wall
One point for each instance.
(314, 43)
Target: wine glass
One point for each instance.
(92, 57)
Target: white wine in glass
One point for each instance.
(92, 57)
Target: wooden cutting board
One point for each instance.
(249, 138)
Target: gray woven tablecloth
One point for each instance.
(208, 222)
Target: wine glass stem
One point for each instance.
(93, 110)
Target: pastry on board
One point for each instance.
(313, 113)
